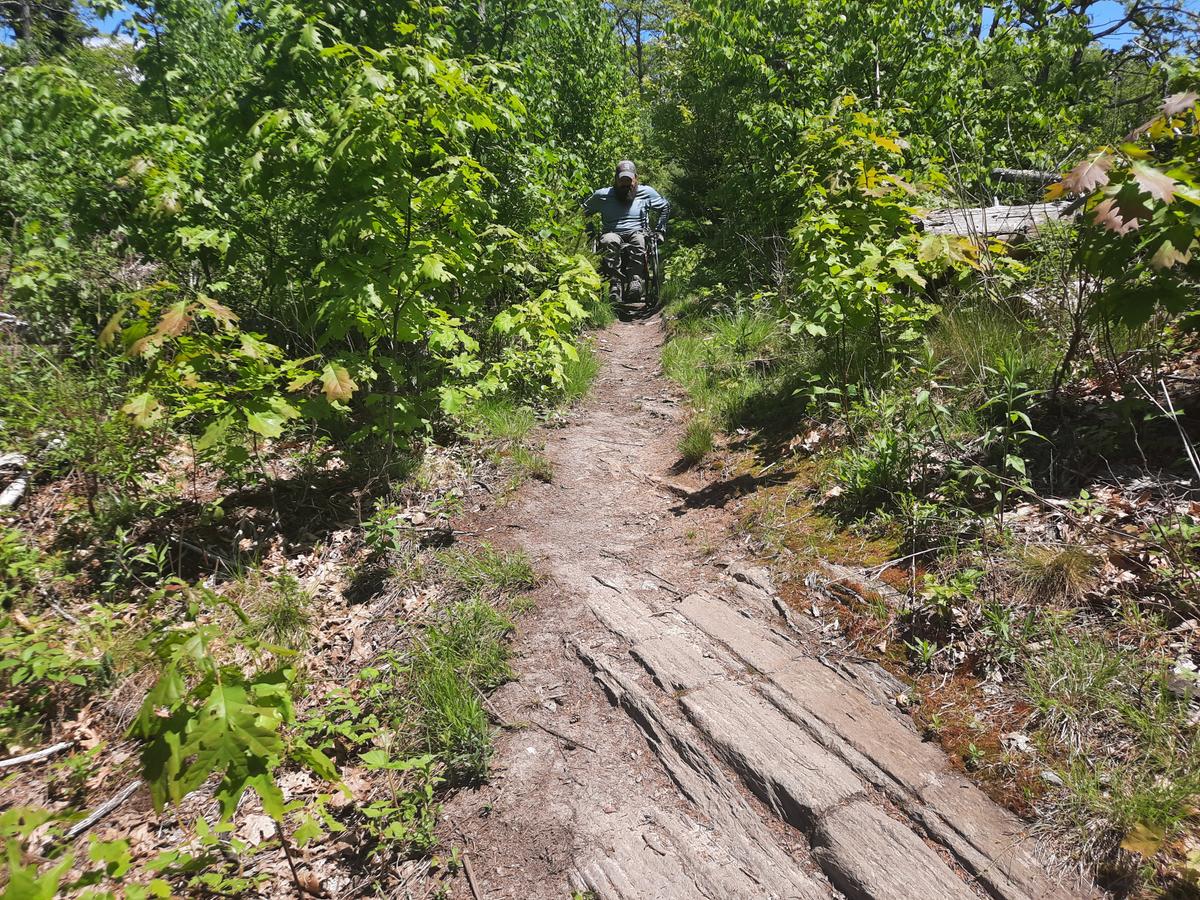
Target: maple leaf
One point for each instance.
(145, 410)
(1177, 103)
(1108, 214)
(174, 321)
(219, 310)
(1158, 185)
(1089, 174)
(337, 383)
(1168, 255)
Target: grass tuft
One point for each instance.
(579, 373)
(485, 571)
(460, 658)
(501, 419)
(697, 441)
(1058, 576)
(532, 463)
(279, 610)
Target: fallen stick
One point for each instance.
(562, 737)
(880, 569)
(607, 584)
(35, 755)
(101, 811)
(475, 892)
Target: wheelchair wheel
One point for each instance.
(654, 275)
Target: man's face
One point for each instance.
(625, 187)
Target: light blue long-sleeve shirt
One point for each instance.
(625, 217)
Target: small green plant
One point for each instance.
(407, 817)
(206, 716)
(21, 567)
(1006, 407)
(384, 529)
(923, 651)
(697, 441)
(942, 596)
(973, 757)
(279, 612)
(39, 670)
(1007, 635)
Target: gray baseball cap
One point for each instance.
(626, 169)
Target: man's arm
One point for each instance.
(659, 204)
(592, 203)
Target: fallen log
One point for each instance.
(1002, 222)
(1026, 176)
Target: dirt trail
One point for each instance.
(685, 739)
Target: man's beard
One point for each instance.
(625, 193)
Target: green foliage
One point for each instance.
(41, 672)
(486, 571)
(697, 441)
(460, 657)
(1142, 225)
(206, 716)
(407, 817)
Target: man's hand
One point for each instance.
(661, 236)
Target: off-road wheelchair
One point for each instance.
(651, 276)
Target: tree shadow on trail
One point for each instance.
(719, 493)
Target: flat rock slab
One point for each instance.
(724, 758)
(869, 856)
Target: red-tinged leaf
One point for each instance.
(1158, 185)
(1168, 255)
(1177, 103)
(174, 321)
(110, 330)
(1108, 215)
(219, 310)
(337, 383)
(1089, 174)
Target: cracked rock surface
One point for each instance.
(682, 739)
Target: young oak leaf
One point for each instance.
(1089, 174)
(1158, 185)
(337, 383)
(1177, 103)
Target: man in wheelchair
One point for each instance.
(624, 210)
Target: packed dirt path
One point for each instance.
(674, 732)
